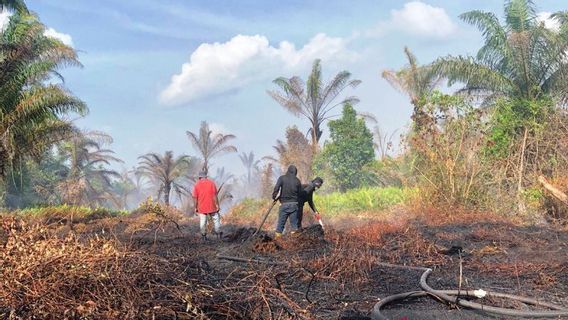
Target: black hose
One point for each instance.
(560, 311)
(452, 296)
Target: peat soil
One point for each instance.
(337, 274)
(343, 273)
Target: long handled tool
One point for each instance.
(264, 218)
(262, 223)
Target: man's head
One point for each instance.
(292, 170)
(202, 174)
(317, 182)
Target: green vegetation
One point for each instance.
(363, 200)
(32, 104)
(348, 152)
(339, 204)
(168, 172)
(484, 147)
(313, 99)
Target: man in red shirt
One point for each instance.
(206, 204)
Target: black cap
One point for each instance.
(318, 180)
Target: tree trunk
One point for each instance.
(520, 200)
(167, 189)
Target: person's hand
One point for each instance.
(318, 217)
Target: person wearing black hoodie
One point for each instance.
(288, 188)
(307, 195)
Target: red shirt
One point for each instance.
(205, 192)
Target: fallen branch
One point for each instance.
(553, 190)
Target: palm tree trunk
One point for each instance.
(520, 200)
(167, 189)
(206, 164)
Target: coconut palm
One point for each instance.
(251, 165)
(31, 104)
(167, 172)
(521, 58)
(88, 181)
(313, 99)
(210, 144)
(415, 81)
(16, 5)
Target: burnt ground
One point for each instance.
(337, 274)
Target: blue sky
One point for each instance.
(154, 69)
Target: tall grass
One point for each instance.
(363, 200)
(67, 210)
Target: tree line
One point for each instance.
(483, 146)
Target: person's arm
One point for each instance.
(194, 196)
(277, 188)
(311, 202)
(195, 203)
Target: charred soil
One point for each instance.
(143, 267)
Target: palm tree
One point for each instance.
(383, 142)
(250, 164)
(31, 106)
(122, 189)
(224, 183)
(314, 99)
(16, 5)
(521, 61)
(210, 144)
(415, 81)
(88, 180)
(521, 58)
(166, 172)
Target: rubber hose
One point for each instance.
(495, 310)
(377, 315)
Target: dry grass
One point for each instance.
(61, 271)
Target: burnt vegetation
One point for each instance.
(474, 198)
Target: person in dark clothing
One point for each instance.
(288, 188)
(307, 195)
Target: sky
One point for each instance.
(153, 70)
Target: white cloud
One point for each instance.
(549, 23)
(217, 68)
(63, 37)
(417, 18)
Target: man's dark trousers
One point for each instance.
(287, 209)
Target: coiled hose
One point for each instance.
(453, 296)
